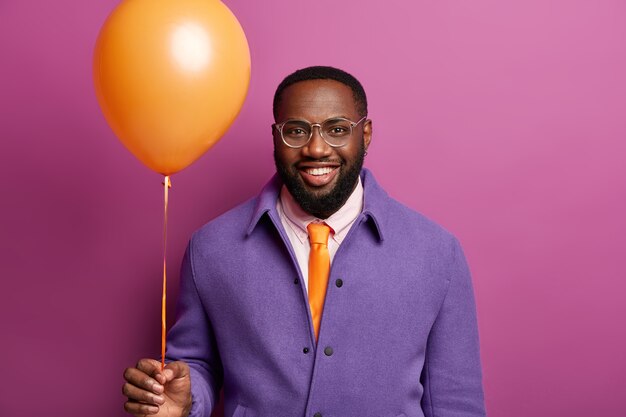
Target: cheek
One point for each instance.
(286, 156)
(348, 154)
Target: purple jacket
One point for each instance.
(398, 335)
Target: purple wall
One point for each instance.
(504, 121)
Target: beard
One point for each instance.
(322, 205)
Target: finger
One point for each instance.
(152, 368)
(139, 409)
(139, 395)
(139, 379)
(176, 369)
(149, 366)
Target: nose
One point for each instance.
(317, 146)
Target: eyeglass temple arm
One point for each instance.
(356, 123)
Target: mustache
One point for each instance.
(322, 160)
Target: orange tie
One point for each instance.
(319, 266)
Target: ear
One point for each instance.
(275, 134)
(367, 133)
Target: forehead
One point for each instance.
(316, 100)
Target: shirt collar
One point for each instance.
(375, 201)
(339, 222)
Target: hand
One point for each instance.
(152, 392)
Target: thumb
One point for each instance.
(173, 370)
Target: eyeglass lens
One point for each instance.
(334, 131)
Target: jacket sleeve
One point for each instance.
(452, 376)
(191, 340)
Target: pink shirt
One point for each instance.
(295, 221)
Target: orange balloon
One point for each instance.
(170, 77)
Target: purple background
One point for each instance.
(503, 120)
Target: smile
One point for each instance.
(319, 171)
(318, 176)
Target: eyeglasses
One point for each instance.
(335, 131)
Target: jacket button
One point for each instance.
(305, 350)
(339, 283)
(328, 351)
(317, 415)
(296, 281)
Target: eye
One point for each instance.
(337, 129)
(295, 132)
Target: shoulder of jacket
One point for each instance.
(232, 222)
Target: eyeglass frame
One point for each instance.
(279, 127)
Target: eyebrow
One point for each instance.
(330, 118)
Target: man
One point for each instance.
(374, 318)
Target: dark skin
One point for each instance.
(316, 101)
(167, 393)
(152, 392)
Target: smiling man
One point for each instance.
(322, 296)
(322, 175)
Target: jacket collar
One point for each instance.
(374, 204)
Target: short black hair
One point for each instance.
(324, 73)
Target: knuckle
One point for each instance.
(128, 372)
(127, 390)
(144, 363)
(147, 383)
(147, 397)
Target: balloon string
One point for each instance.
(166, 186)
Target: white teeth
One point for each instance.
(319, 171)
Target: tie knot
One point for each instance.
(318, 233)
